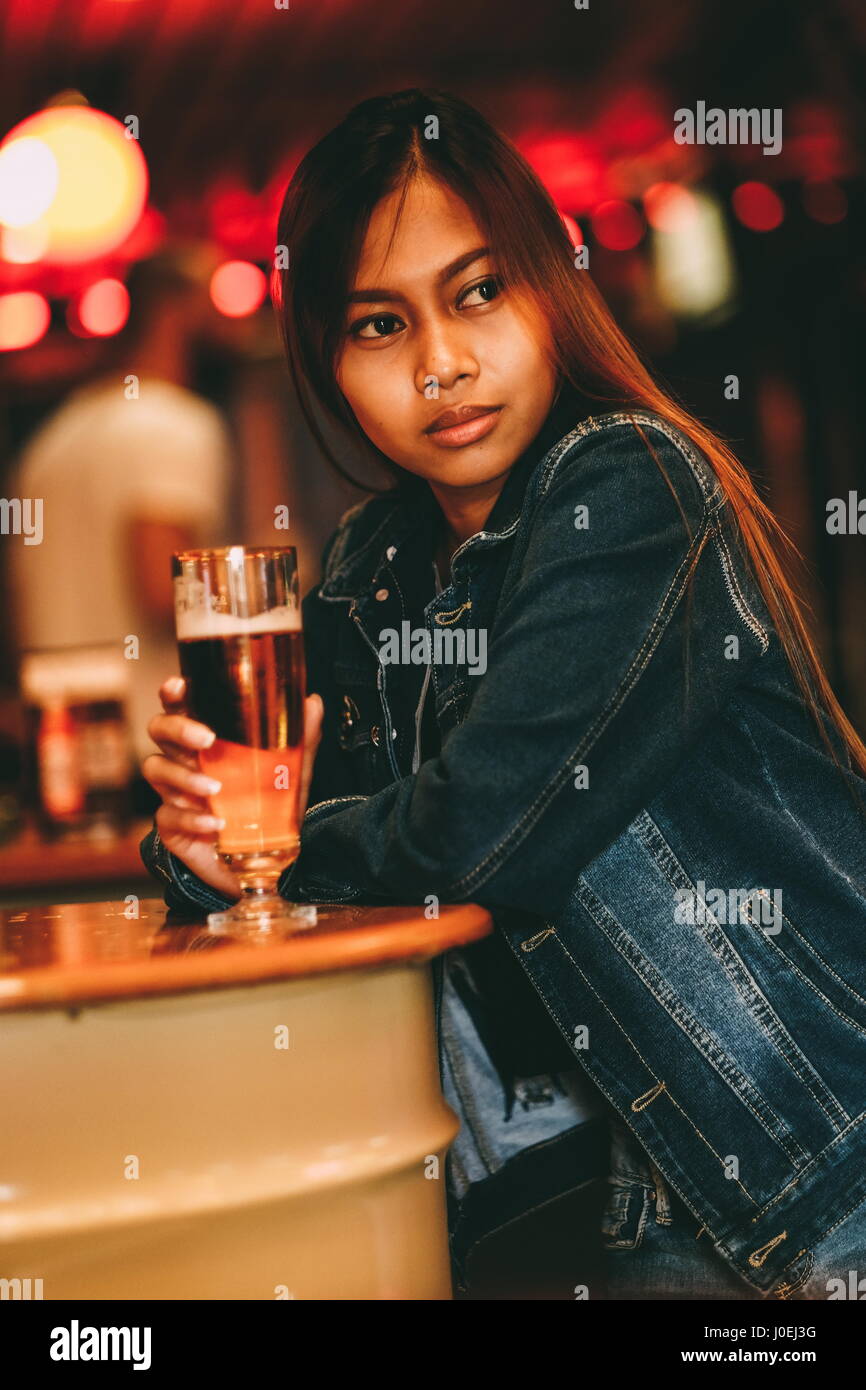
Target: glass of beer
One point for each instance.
(241, 646)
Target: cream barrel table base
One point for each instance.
(244, 1122)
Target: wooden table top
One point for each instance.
(66, 954)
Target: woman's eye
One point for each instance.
(488, 289)
(376, 327)
(380, 323)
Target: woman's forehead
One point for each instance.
(433, 228)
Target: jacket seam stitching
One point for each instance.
(812, 1164)
(792, 965)
(772, 1027)
(830, 1229)
(733, 587)
(703, 1040)
(617, 420)
(784, 1290)
(652, 1073)
(338, 559)
(457, 688)
(332, 801)
(672, 1098)
(341, 558)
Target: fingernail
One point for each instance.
(210, 786)
(210, 822)
(202, 738)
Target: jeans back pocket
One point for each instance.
(631, 1184)
(625, 1215)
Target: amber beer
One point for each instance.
(245, 680)
(240, 648)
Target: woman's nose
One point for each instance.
(443, 358)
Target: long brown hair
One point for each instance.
(377, 149)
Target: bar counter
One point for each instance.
(29, 862)
(187, 1116)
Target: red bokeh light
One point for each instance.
(241, 222)
(635, 120)
(569, 166)
(617, 225)
(758, 207)
(237, 288)
(825, 201)
(24, 319)
(104, 308)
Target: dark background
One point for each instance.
(230, 93)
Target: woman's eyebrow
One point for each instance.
(444, 275)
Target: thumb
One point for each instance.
(314, 713)
(314, 717)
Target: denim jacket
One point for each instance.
(633, 787)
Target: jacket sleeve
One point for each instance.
(580, 717)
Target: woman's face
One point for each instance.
(428, 330)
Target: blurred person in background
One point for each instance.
(132, 466)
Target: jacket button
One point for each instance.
(381, 593)
(390, 552)
(348, 718)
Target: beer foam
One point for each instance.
(204, 622)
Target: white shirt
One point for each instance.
(98, 462)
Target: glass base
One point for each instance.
(263, 919)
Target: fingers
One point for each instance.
(180, 755)
(180, 731)
(175, 773)
(200, 854)
(166, 775)
(172, 692)
(176, 820)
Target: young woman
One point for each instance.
(631, 755)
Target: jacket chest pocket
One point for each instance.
(360, 728)
(452, 704)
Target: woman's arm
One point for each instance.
(579, 719)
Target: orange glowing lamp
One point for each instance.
(73, 180)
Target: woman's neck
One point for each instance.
(444, 548)
(461, 517)
(464, 511)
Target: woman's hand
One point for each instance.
(184, 822)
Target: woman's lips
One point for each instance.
(455, 436)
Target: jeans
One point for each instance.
(652, 1247)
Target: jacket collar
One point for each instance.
(377, 529)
